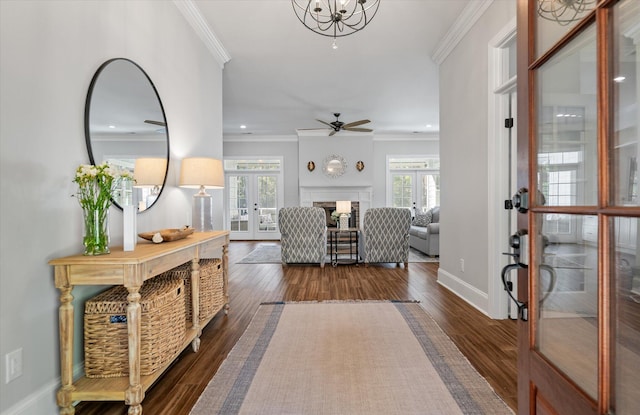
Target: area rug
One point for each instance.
(270, 254)
(346, 358)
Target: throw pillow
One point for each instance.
(422, 219)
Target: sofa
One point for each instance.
(424, 233)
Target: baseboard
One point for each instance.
(464, 290)
(40, 402)
(43, 400)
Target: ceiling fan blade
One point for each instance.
(355, 123)
(325, 123)
(163, 124)
(364, 130)
(332, 132)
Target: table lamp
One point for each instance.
(202, 173)
(343, 207)
(149, 173)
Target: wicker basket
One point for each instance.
(162, 333)
(211, 287)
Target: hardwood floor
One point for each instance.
(490, 345)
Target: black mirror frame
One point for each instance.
(87, 114)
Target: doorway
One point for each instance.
(253, 198)
(502, 153)
(414, 182)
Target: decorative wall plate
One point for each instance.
(334, 166)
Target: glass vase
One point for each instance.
(96, 231)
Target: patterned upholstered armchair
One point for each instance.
(385, 235)
(303, 235)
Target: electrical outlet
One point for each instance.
(462, 264)
(13, 365)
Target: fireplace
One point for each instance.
(329, 207)
(325, 197)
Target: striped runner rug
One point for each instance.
(346, 358)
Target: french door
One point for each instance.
(578, 146)
(414, 190)
(253, 199)
(414, 183)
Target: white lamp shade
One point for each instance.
(149, 172)
(197, 172)
(343, 206)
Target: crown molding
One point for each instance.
(469, 16)
(193, 16)
(324, 132)
(430, 136)
(253, 138)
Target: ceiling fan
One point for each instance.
(338, 125)
(160, 123)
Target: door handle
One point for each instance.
(508, 287)
(519, 242)
(520, 200)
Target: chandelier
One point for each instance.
(335, 18)
(564, 11)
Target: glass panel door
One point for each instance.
(237, 194)
(267, 205)
(402, 190)
(429, 191)
(625, 267)
(567, 176)
(254, 197)
(415, 183)
(580, 340)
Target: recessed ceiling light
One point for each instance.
(429, 125)
(243, 126)
(619, 79)
(112, 126)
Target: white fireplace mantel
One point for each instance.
(361, 194)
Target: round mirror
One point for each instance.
(334, 166)
(124, 122)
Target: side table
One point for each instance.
(343, 242)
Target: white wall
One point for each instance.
(374, 157)
(286, 147)
(351, 147)
(463, 157)
(49, 51)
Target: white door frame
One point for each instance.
(253, 173)
(498, 168)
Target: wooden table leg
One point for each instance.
(225, 276)
(134, 394)
(65, 327)
(195, 303)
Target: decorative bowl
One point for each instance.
(166, 235)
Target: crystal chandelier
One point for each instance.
(335, 18)
(564, 11)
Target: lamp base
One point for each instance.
(202, 219)
(344, 222)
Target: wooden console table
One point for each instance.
(129, 269)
